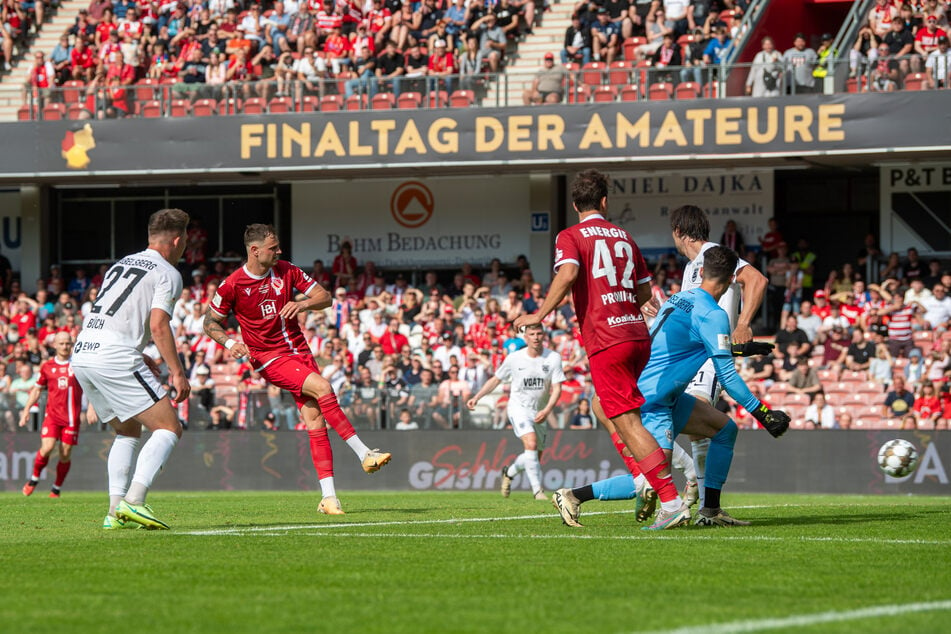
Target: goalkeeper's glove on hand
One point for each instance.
(752, 348)
(776, 422)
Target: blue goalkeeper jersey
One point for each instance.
(689, 329)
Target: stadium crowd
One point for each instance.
(849, 353)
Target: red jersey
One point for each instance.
(257, 303)
(64, 399)
(82, 59)
(605, 292)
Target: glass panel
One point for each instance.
(84, 230)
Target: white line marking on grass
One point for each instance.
(806, 620)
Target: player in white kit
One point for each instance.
(691, 231)
(534, 372)
(135, 306)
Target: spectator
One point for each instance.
(392, 341)
(915, 368)
(759, 369)
(656, 28)
(844, 419)
(389, 68)
(825, 51)
(835, 346)
(819, 413)
(606, 38)
(203, 387)
(938, 65)
(42, 79)
(869, 250)
(859, 355)
(406, 422)
(900, 45)
(884, 76)
(913, 266)
(717, 49)
(222, 418)
(893, 268)
(765, 80)
(805, 259)
(899, 401)
(668, 55)
(900, 327)
(492, 41)
(881, 16)
(804, 379)
(864, 50)
(423, 398)
(808, 321)
(680, 14)
(835, 319)
(508, 17)
(582, 418)
(367, 399)
(926, 39)
(547, 87)
(452, 395)
(577, 48)
(442, 67)
(800, 61)
(791, 341)
(363, 75)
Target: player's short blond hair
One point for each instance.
(168, 221)
(258, 233)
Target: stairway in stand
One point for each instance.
(547, 37)
(11, 84)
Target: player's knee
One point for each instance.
(727, 435)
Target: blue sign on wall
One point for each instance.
(540, 222)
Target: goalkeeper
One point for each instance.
(689, 329)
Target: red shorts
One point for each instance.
(289, 373)
(65, 433)
(615, 372)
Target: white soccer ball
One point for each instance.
(898, 458)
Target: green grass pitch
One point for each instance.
(472, 562)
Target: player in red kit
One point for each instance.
(63, 406)
(261, 295)
(605, 272)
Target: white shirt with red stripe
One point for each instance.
(257, 302)
(64, 399)
(899, 326)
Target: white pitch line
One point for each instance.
(806, 620)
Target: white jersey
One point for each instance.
(117, 330)
(693, 276)
(531, 378)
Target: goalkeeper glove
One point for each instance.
(752, 348)
(776, 422)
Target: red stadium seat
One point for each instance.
(204, 107)
(660, 92)
(631, 93)
(73, 91)
(581, 94)
(592, 73)
(619, 73)
(331, 103)
(179, 108)
(24, 113)
(687, 90)
(383, 101)
(604, 94)
(710, 90)
(409, 100)
(151, 109)
(229, 106)
(356, 102)
(145, 89)
(254, 105)
(629, 47)
(438, 99)
(54, 112)
(75, 111)
(916, 81)
(461, 99)
(278, 105)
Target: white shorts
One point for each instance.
(705, 385)
(120, 393)
(523, 423)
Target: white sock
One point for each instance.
(684, 462)
(673, 506)
(152, 458)
(700, 449)
(533, 469)
(640, 482)
(119, 467)
(327, 489)
(516, 467)
(358, 447)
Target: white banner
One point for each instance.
(413, 222)
(641, 202)
(11, 236)
(915, 209)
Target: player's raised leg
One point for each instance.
(318, 388)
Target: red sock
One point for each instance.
(62, 468)
(321, 453)
(39, 463)
(335, 417)
(629, 461)
(651, 466)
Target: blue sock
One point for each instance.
(617, 488)
(720, 456)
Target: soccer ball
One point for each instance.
(898, 458)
